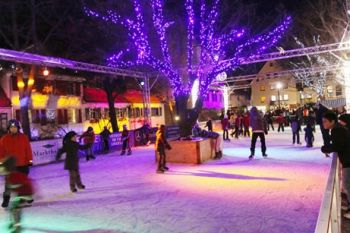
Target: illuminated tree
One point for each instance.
(209, 52)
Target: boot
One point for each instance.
(92, 157)
(5, 201)
(129, 152)
(123, 152)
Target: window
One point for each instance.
(262, 99)
(273, 87)
(62, 116)
(137, 112)
(3, 121)
(285, 97)
(156, 112)
(74, 116)
(273, 98)
(92, 113)
(262, 88)
(338, 90)
(330, 91)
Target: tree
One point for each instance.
(113, 88)
(209, 52)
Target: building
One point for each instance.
(60, 103)
(272, 92)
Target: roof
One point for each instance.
(95, 95)
(4, 100)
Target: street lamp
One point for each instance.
(279, 86)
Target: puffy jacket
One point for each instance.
(18, 146)
(256, 121)
(88, 137)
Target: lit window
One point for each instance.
(262, 88)
(262, 99)
(285, 97)
(273, 87)
(273, 98)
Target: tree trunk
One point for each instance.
(24, 114)
(188, 117)
(112, 114)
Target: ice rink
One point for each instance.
(280, 194)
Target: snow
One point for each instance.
(234, 195)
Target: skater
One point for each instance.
(126, 140)
(145, 129)
(161, 145)
(71, 163)
(105, 139)
(17, 145)
(340, 138)
(269, 120)
(209, 125)
(238, 126)
(325, 132)
(280, 121)
(296, 130)
(88, 138)
(246, 123)
(225, 125)
(309, 135)
(259, 130)
(19, 184)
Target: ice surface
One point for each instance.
(124, 194)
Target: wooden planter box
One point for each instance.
(195, 151)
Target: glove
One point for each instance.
(30, 163)
(324, 149)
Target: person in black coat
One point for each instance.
(209, 125)
(340, 138)
(71, 163)
(309, 135)
(105, 138)
(325, 132)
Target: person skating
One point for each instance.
(246, 123)
(145, 130)
(280, 121)
(309, 135)
(161, 145)
(105, 134)
(259, 130)
(296, 131)
(225, 125)
(71, 163)
(126, 141)
(269, 120)
(325, 133)
(340, 138)
(19, 184)
(209, 125)
(17, 145)
(238, 126)
(88, 138)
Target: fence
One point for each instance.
(329, 218)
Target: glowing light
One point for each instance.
(142, 83)
(46, 72)
(279, 86)
(31, 82)
(20, 84)
(177, 118)
(195, 92)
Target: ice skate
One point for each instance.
(265, 155)
(123, 152)
(160, 171)
(166, 168)
(129, 152)
(81, 187)
(6, 201)
(74, 190)
(251, 157)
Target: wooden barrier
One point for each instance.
(194, 151)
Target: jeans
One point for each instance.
(162, 159)
(246, 132)
(346, 183)
(89, 152)
(262, 140)
(225, 136)
(74, 179)
(280, 127)
(297, 136)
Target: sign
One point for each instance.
(45, 151)
(173, 132)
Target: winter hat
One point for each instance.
(14, 122)
(90, 128)
(70, 134)
(345, 118)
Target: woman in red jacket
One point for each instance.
(17, 145)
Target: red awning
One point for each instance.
(95, 95)
(4, 100)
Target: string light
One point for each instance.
(213, 45)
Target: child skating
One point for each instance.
(126, 141)
(161, 145)
(71, 163)
(19, 184)
(309, 135)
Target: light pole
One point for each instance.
(279, 87)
